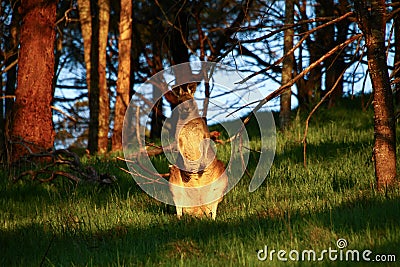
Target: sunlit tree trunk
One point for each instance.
(287, 68)
(371, 19)
(99, 103)
(32, 117)
(124, 72)
(104, 98)
(397, 53)
(86, 28)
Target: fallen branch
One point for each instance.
(137, 162)
(144, 177)
(62, 157)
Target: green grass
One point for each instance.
(60, 224)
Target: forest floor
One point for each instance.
(330, 208)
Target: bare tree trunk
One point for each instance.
(32, 116)
(179, 51)
(3, 153)
(124, 72)
(11, 78)
(13, 50)
(157, 119)
(287, 68)
(94, 82)
(99, 103)
(308, 89)
(325, 41)
(397, 53)
(335, 65)
(85, 19)
(104, 98)
(371, 19)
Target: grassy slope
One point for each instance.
(296, 208)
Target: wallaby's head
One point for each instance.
(185, 91)
(185, 95)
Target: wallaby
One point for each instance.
(199, 177)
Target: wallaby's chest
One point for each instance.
(191, 136)
(192, 130)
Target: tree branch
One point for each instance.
(287, 86)
(234, 27)
(306, 35)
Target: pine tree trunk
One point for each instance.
(336, 64)
(124, 72)
(3, 153)
(325, 41)
(94, 82)
(372, 23)
(397, 53)
(287, 68)
(309, 88)
(156, 120)
(104, 98)
(32, 116)
(11, 45)
(86, 28)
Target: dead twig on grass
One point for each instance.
(56, 159)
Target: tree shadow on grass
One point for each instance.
(322, 152)
(366, 223)
(373, 219)
(151, 243)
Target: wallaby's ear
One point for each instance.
(191, 87)
(173, 90)
(184, 88)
